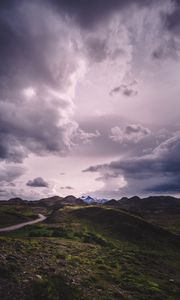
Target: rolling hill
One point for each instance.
(88, 252)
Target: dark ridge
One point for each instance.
(72, 200)
(126, 226)
(60, 201)
(111, 202)
(150, 204)
(16, 201)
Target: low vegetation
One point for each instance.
(90, 252)
(13, 214)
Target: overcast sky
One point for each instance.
(89, 98)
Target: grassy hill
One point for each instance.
(89, 252)
(11, 214)
(124, 226)
(160, 210)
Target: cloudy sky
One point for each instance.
(89, 98)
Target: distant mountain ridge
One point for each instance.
(134, 204)
(149, 204)
(55, 200)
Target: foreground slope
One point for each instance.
(90, 253)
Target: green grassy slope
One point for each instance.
(14, 214)
(124, 225)
(90, 253)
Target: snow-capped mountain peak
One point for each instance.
(91, 200)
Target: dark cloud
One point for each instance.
(67, 188)
(2, 192)
(172, 19)
(46, 45)
(34, 129)
(158, 53)
(156, 172)
(40, 54)
(37, 182)
(36, 71)
(28, 125)
(167, 49)
(96, 49)
(96, 168)
(171, 186)
(168, 43)
(127, 90)
(9, 173)
(163, 160)
(89, 13)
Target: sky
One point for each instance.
(89, 98)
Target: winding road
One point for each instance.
(18, 226)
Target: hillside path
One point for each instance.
(20, 225)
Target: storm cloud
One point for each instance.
(156, 172)
(172, 19)
(10, 173)
(37, 182)
(40, 65)
(88, 14)
(89, 83)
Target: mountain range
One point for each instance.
(134, 204)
